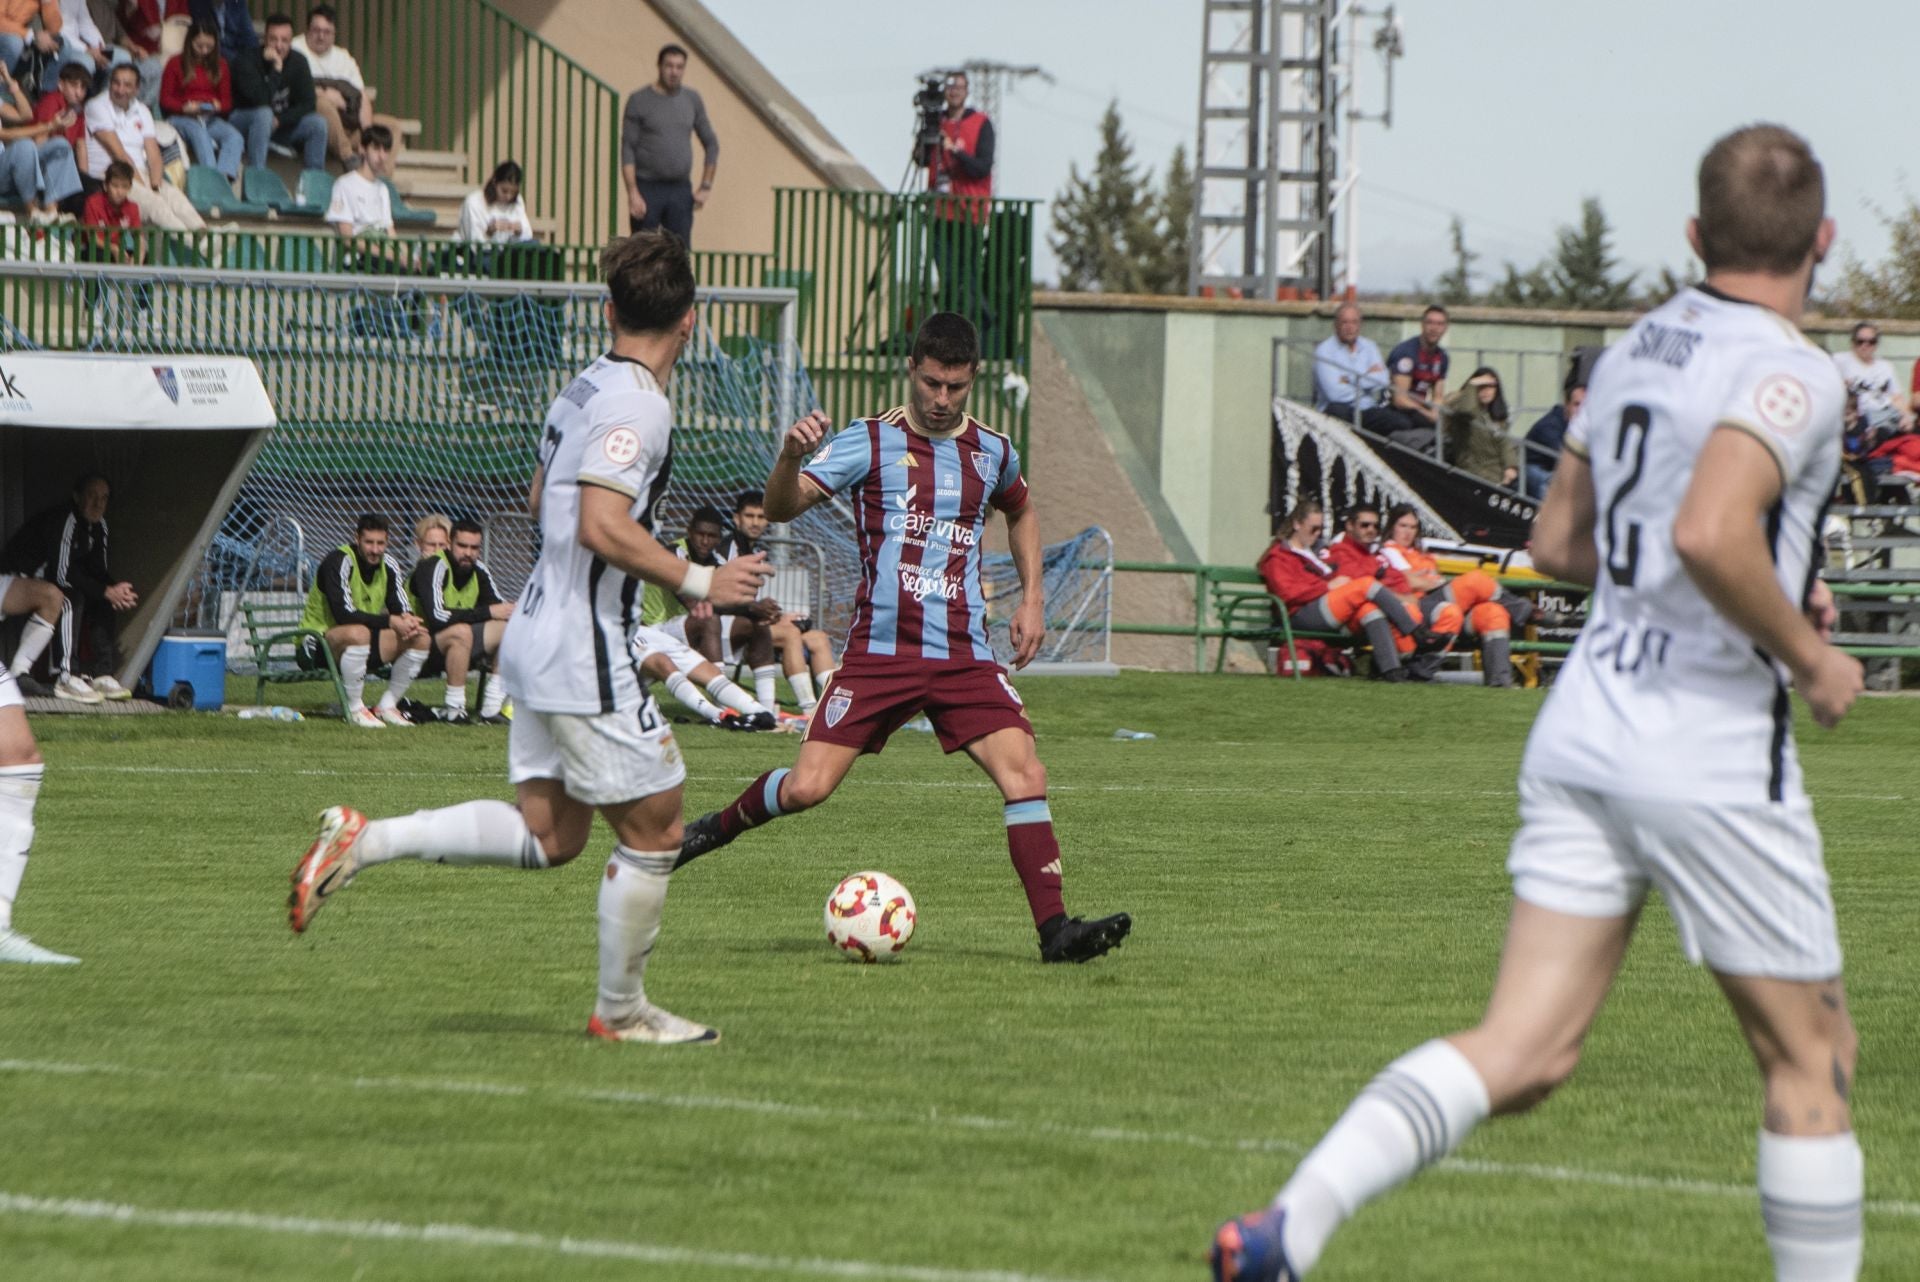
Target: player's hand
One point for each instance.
(121, 596)
(699, 609)
(766, 611)
(1822, 613)
(636, 205)
(804, 437)
(502, 610)
(738, 581)
(1027, 629)
(1831, 685)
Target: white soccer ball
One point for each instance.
(870, 917)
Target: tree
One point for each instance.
(1891, 287)
(1456, 286)
(1164, 259)
(1579, 274)
(1101, 224)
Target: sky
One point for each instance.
(1505, 114)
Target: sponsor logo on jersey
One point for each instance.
(169, 382)
(837, 705)
(902, 500)
(622, 446)
(920, 584)
(906, 461)
(914, 526)
(1783, 404)
(982, 465)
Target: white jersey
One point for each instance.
(1870, 382)
(1663, 697)
(565, 648)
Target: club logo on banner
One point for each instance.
(983, 466)
(837, 705)
(169, 382)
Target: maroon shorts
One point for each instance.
(868, 699)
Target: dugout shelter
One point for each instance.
(173, 435)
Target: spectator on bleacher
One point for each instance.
(274, 96)
(64, 107)
(196, 93)
(1549, 434)
(1418, 368)
(67, 547)
(37, 168)
(119, 127)
(1350, 382)
(83, 44)
(1472, 605)
(110, 207)
(342, 95)
(358, 602)
(497, 213)
(362, 205)
(1476, 425)
(229, 20)
(1318, 598)
(139, 24)
(466, 615)
(16, 31)
(806, 653)
(656, 150)
(1875, 411)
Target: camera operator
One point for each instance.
(960, 169)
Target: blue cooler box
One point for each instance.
(197, 658)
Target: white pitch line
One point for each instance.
(937, 1120)
(479, 1237)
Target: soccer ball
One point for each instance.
(870, 917)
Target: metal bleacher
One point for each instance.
(1873, 566)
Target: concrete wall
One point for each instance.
(1183, 387)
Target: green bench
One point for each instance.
(275, 633)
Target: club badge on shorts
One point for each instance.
(837, 704)
(983, 465)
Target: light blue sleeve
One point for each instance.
(841, 461)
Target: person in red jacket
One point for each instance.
(1356, 551)
(196, 93)
(1471, 605)
(111, 207)
(1320, 599)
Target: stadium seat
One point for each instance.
(264, 187)
(405, 215)
(213, 196)
(315, 190)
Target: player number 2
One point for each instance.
(1623, 553)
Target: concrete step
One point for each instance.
(407, 128)
(430, 188)
(420, 158)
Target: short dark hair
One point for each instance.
(1579, 370)
(650, 276)
(277, 20)
(1431, 308)
(125, 66)
(947, 337)
(1762, 196)
(323, 11)
(377, 136)
(85, 479)
(467, 525)
(369, 521)
(749, 498)
(1359, 509)
(1866, 325)
(668, 51)
(75, 72)
(708, 514)
(117, 170)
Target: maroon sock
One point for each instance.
(759, 803)
(1036, 856)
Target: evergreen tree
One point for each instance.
(1164, 258)
(1890, 288)
(1583, 266)
(1101, 222)
(1456, 286)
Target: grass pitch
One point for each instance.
(1315, 872)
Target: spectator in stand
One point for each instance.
(1418, 368)
(656, 150)
(37, 167)
(273, 87)
(1471, 605)
(1875, 409)
(1546, 437)
(1350, 382)
(110, 208)
(83, 44)
(229, 20)
(1476, 422)
(119, 127)
(140, 25)
(64, 107)
(342, 95)
(67, 547)
(497, 214)
(16, 33)
(1318, 598)
(196, 93)
(362, 206)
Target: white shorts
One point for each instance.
(1745, 885)
(602, 759)
(9, 688)
(650, 640)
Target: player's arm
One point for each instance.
(1028, 627)
(1563, 543)
(789, 493)
(1404, 399)
(1720, 538)
(533, 494)
(610, 533)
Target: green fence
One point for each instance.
(482, 84)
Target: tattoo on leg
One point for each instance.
(1813, 1117)
(1830, 998)
(1776, 1120)
(1841, 1085)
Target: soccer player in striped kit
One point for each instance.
(922, 480)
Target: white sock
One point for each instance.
(19, 789)
(802, 683)
(1810, 1190)
(734, 697)
(633, 894)
(353, 674)
(494, 696)
(766, 686)
(1413, 1114)
(405, 669)
(682, 689)
(456, 699)
(33, 644)
(470, 834)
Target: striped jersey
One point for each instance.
(565, 648)
(1662, 696)
(920, 506)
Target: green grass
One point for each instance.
(1316, 875)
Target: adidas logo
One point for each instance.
(1052, 866)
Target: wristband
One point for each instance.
(698, 583)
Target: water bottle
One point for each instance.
(275, 713)
(1132, 736)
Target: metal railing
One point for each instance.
(871, 265)
(482, 84)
